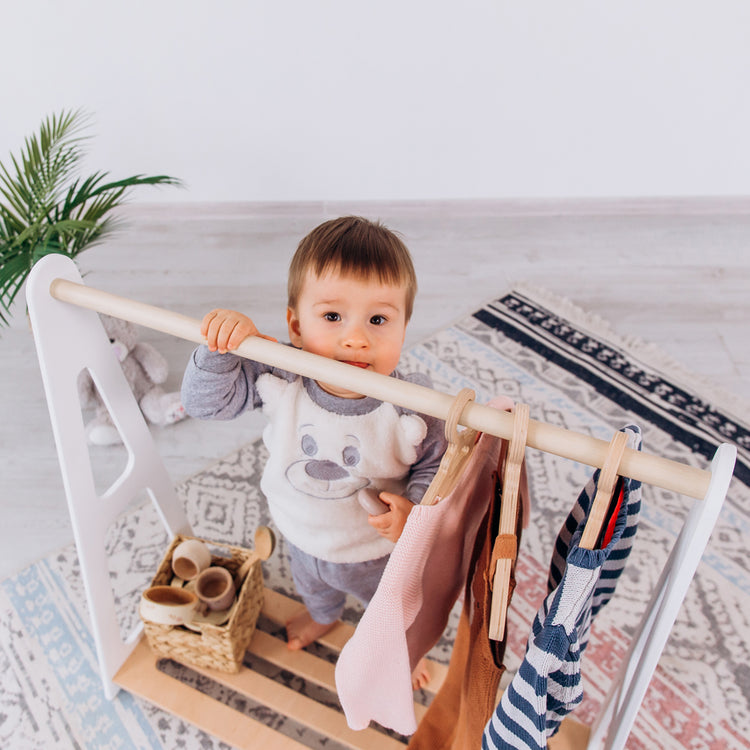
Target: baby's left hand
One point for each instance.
(391, 523)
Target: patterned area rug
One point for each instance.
(572, 372)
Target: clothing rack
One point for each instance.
(69, 337)
(647, 468)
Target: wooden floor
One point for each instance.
(676, 273)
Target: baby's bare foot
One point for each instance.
(302, 630)
(421, 676)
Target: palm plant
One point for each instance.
(47, 208)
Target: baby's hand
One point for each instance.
(391, 524)
(227, 329)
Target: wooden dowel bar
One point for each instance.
(647, 468)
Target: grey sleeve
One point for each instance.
(429, 453)
(221, 386)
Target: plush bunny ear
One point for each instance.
(271, 389)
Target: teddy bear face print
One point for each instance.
(326, 468)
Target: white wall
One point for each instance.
(392, 99)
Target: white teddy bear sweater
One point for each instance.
(323, 450)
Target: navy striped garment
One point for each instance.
(548, 684)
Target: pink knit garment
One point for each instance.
(424, 576)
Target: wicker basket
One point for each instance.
(219, 647)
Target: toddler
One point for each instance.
(351, 290)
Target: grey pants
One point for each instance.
(324, 585)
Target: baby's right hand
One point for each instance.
(227, 329)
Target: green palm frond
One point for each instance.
(46, 208)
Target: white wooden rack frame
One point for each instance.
(69, 338)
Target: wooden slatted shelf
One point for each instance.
(142, 676)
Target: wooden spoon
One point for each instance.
(265, 542)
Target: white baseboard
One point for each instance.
(583, 206)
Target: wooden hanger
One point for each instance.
(460, 445)
(604, 491)
(506, 544)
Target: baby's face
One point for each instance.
(360, 322)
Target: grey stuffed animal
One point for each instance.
(145, 369)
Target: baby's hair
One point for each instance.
(353, 246)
